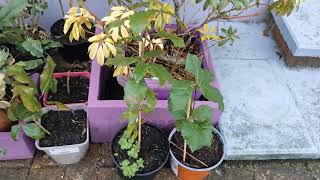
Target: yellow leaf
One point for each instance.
(75, 31)
(105, 50)
(117, 71)
(70, 37)
(158, 22)
(82, 33)
(112, 48)
(67, 24)
(124, 32)
(127, 14)
(116, 14)
(115, 33)
(93, 48)
(100, 56)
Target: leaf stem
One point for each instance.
(139, 128)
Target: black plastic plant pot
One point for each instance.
(71, 51)
(146, 175)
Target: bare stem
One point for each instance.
(185, 142)
(139, 128)
(62, 10)
(68, 82)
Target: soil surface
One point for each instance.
(208, 155)
(66, 128)
(79, 89)
(154, 149)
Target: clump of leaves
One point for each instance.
(194, 124)
(2, 152)
(25, 107)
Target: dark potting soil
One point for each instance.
(154, 149)
(57, 33)
(79, 89)
(208, 155)
(66, 128)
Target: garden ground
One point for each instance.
(98, 165)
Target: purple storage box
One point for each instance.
(24, 147)
(104, 115)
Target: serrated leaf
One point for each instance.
(160, 72)
(34, 131)
(33, 46)
(197, 134)
(204, 79)
(10, 11)
(15, 129)
(139, 21)
(151, 100)
(180, 94)
(140, 71)
(46, 78)
(30, 64)
(134, 91)
(177, 41)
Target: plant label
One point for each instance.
(65, 150)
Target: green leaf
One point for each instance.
(160, 72)
(134, 91)
(130, 115)
(177, 41)
(31, 64)
(20, 75)
(139, 21)
(60, 105)
(180, 94)
(4, 54)
(10, 11)
(53, 85)
(46, 78)
(152, 53)
(15, 129)
(140, 71)
(50, 44)
(204, 79)
(197, 130)
(34, 131)
(122, 61)
(151, 100)
(11, 114)
(2, 152)
(30, 101)
(33, 46)
(197, 134)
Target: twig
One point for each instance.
(62, 10)
(39, 124)
(189, 154)
(68, 82)
(139, 128)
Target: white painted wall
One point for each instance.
(193, 13)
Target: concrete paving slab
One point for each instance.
(301, 30)
(261, 120)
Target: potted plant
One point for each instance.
(69, 139)
(75, 39)
(196, 147)
(26, 42)
(73, 88)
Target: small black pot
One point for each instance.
(144, 176)
(71, 51)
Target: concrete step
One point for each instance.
(263, 117)
(301, 30)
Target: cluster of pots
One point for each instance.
(70, 154)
